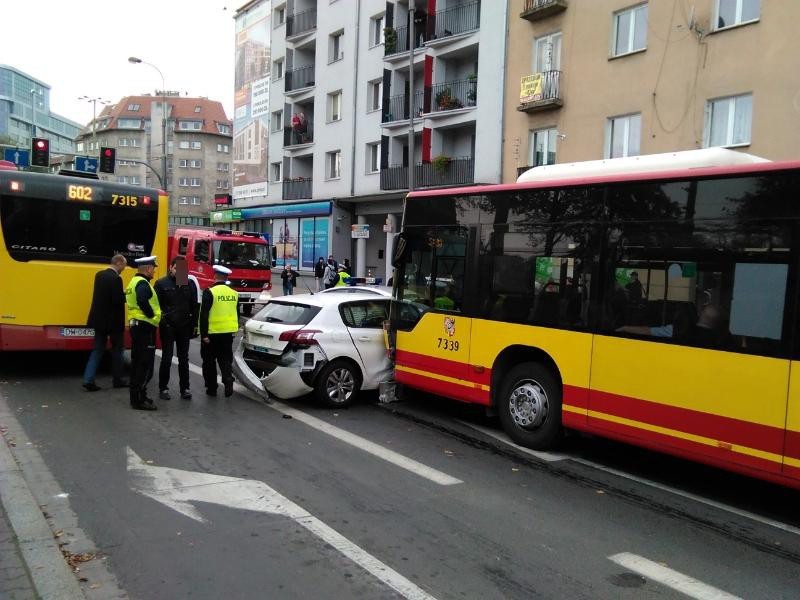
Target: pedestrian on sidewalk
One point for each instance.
(179, 323)
(319, 272)
(107, 318)
(219, 322)
(144, 313)
(289, 277)
(329, 276)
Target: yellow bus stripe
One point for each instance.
(469, 384)
(688, 436)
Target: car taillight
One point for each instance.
(301, 337)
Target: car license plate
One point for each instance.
(77, 332)
(256, 347)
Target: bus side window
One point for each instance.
(183, 246)
(201, 251)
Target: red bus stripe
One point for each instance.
(576, 396)
(444, 388)
(792, 444)
(734, 431)
(449, 368)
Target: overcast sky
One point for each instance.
(82, 48)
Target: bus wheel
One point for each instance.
(247, 309)
(530, 406)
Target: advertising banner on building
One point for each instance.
(314, 240)
(251, 102)
(530, 88)
(284, 235)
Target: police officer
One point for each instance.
(343, 275)
(219, 322)
(180, 310)
(144, 313)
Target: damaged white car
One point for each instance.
(329, 344)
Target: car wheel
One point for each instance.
(529, 406)
(338, 384)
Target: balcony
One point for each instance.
(298, 79)
(540, 91)
(298, 188)
(442, 171)
(452, 95)
(456, 20)
(395, 40)
(302, 22)
(398, 107)
(535, 10)
(298, 136)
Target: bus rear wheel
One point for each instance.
(529, 406)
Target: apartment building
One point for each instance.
(25, 113)
(198, 148)
(593, 79)
(339, 123)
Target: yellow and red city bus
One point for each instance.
(56, 232)
(653, 304)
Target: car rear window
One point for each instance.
(287, 312)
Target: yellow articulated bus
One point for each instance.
(56, 232)
(650, 300)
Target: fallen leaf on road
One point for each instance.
(94, 586)
(59, 533)
(600, 492)
(515, 468)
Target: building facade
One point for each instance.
(593, 79)
(25, 113)
(199, 144)
(339, 126)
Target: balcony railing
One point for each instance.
(540, 91)
(533, 10)
(395, 40)
(301, 22)
(398, 107)
(297, 189)
(299, 78)
(296, 136)
(457, 19)
(451, 95)
(453, 171)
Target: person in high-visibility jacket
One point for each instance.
(343, 274)
(144, 314)
(219, 322)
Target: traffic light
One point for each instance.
(40, 152)
(108, 159)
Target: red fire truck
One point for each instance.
(248, 255)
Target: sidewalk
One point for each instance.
(15, 580)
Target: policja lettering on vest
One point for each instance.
(219, 321)
(144, 313)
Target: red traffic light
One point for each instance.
(40, 152)
(41, 144)
(108, 152)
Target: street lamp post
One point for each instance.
(94, 102)
(135, 61)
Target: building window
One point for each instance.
(80, 147)
(198, 108)
(374, 95)
(135, 180)
(197, 145)
(277, 120)
(190, 125)
(183, 200)
(277, 69)
(623, 136)
(336, 46)
(335, 106)
(222, 184)
(279, 16)
(275, 172)
(183, 163)
(334, 164)
(122, 179)
(630, 30)
(196, 163)
(133, 107)
(223, 148)
(373, 157)
(183, 145)
(736, 12)
(547, 53)
(376, 31)
(128, 142)
(224, 167)
(189, 181)
(223, 129)
(542, 147)
(129, 123)
(728, 121)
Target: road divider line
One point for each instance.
(670, 578)
(390, 456)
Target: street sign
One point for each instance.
(86, 164)
(21, 158)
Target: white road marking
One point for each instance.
(501, 437)
(670, 578)
(357, 441)
(179, 489)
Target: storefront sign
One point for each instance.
(306, 209)
(226, 216)
(359, 231)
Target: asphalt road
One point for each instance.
(425, 508)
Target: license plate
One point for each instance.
(77, 332)
(256, 348)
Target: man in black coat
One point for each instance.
(180, 312)
(107, 318)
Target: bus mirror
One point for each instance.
(399, 251)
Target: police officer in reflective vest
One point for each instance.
(219, 322)
(144, 313)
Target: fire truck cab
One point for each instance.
(247, 254)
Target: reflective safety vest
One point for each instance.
(444, 303)
(342, 276)
(134, 312)
(224, 315)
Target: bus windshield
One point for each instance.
(243, 255)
